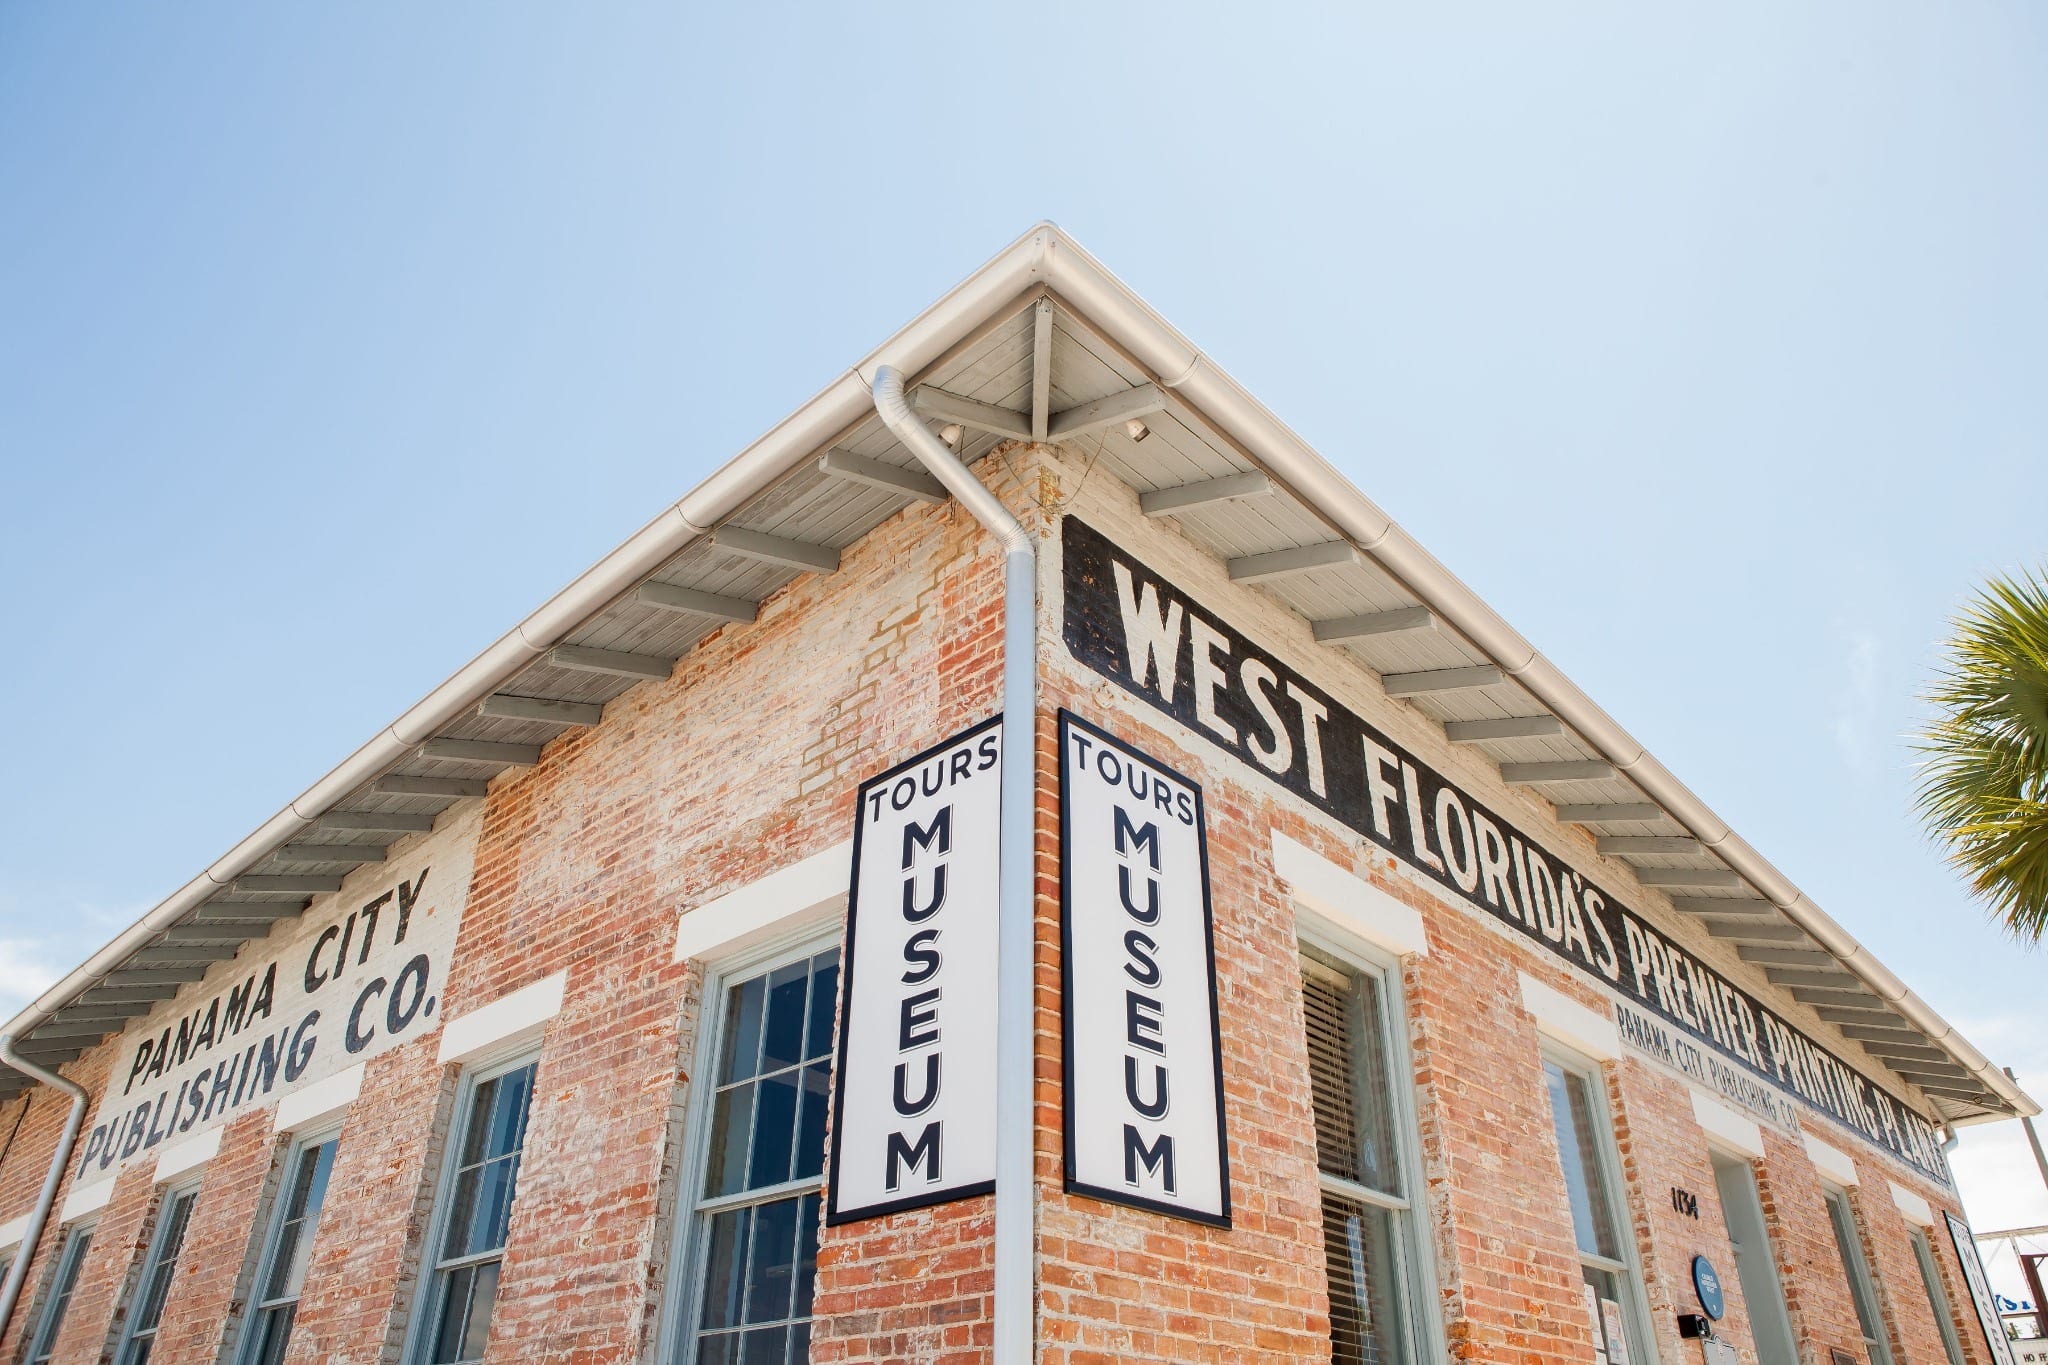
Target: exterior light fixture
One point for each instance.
(1136, 429)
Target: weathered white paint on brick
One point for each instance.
(324, 1015)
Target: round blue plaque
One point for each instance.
(1706, 1282)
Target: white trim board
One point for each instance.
(88, 1199)
(319, 1102)
(810, 890)
(510, 1018)
(1916, 1209)
(1559, 1017)
(1347, 903)
(189, 1155)
(1742, 1135)
(1832, 1162)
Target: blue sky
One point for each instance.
(1707, 346)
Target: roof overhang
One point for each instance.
(1040, 342)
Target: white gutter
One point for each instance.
(1180, 367)
(1013, 1292)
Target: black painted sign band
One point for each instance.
(1133, 626)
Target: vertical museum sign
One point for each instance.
(913, 1119)
(1144, 1065)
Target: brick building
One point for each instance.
(1300, 968)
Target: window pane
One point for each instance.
(273, 1334)
(773, 1261)
(1571, 1112)
(810, 1131)
(1365, 1318)
(1936, 1298)
(724, 1280)
(60, 1299)
(1849, 1243)
(782, 1040)
(824, 999)
(765, 1348)
(774, 1130)
(302, 1217)
(156, 1285)
(454, 1306)
(806, 1257)
(1348, 1078)
(741, 1054)
(732, 1123)
(507, 1133)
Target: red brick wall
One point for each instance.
(746, 761)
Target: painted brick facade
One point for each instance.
(745, 762)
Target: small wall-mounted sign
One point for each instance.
(1685, 1201)
(1706, 1285)
(1838, 1356)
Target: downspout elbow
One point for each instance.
(60, 1160)
(935, 455)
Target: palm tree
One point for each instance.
(1984, 786)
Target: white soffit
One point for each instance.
(1832, 1162)
(1915, 1208)
(189, 1155)
(813, 890)
(1346, 902)
(507, 1020)
(320, 1101)
(1563, 1019)
(1728, 1128)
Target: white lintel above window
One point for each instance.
(1727, 1129)
(12, 1232)
(319, 1102)
(1562, 1019)
(1915, 1208)
(1832, 1162)
(797, 897)
(87, 1199)
(1346, 903)
(179, 1157)
(509, 1020)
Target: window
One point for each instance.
(76, 1245)
(754, 1224)
(139, 1338)
(477, 1194)
(1864, 1294)
(1936, 1298)
(1756, 1267)
(1370, 1238)
(1615, 1312)
(283, 1273)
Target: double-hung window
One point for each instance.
(1862, 1292)
(1612, 1287)
(76, 1243)
(283, 1271)
(753, 1226)
(1937, 1299)
(139, 1337)
(1370, 1239)
(477, 1192)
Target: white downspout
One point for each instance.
(17, 1274)
(1014, 1308)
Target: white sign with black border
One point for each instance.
(913, 1116)
(1144, 1065)
(1980, 1289)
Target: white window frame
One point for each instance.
(70, 1255)
(1862, 1285)
(425, 1325)
(138, 1294)
(1635, 1302)
(245, 1351)
(1937, 1295)
(1414, 1248)
(677, 1340)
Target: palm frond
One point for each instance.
(1984, 786)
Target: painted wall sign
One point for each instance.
(1965, 1243)
(1144, 1062)
(1677, 1054)
(355, 976)
(1130, 624)
(913, 1118)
